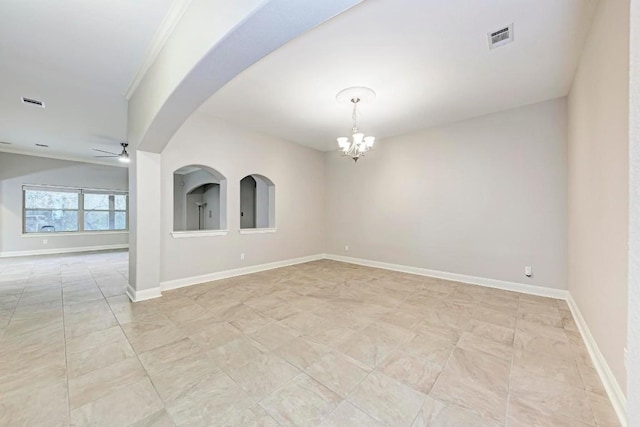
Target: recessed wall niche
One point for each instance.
(257, 202)
(199, 199)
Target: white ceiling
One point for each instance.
(78, 57)
(428, 61)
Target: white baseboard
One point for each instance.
(617, 397)
(194, 280)
(472, 280)
(611, 385)
(492, 283)
(54, 251)
(137, 296)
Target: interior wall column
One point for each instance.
(211, 43)
(144, 225)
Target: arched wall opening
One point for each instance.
(199, 199)
(195, 60)
(257, 202)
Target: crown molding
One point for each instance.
(162, 34)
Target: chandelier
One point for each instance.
(359, 143)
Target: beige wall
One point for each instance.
(484, 197)
(296, 171)
(598, 182)
(633, 362)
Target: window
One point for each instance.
(53, 210)
(50, 210)
(103, 211)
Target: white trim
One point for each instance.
(612, 387)
(473, 280)
(162, 34)
(617, 397)
(63, 250)
(491, 283)
(194, 280)
(75, 233)
(145, 294)
(74, 189)
(198, 233)
(256, 230)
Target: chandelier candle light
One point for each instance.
(359, 143)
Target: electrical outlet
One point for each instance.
(527, 271)
(45, 241)
(242, 257)
(346, 248)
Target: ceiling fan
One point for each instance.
(123, 156)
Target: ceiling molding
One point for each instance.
(173, 16)
(56, 156)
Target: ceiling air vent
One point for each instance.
(32, 101)
(500, 37)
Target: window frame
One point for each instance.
(111, 211)
(80, 209)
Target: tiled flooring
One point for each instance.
(322, 343)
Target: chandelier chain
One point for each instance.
(358, 144)
(354, 115)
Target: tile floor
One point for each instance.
(323, 343)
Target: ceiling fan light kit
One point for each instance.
(124, 156)
(359, 143)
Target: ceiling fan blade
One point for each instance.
(108, 152)
(106, 156)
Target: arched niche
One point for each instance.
(199, 199)
(257, 202)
